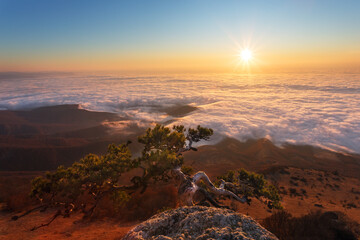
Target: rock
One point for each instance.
(199, 223)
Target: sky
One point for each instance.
(179, 36)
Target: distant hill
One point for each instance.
(43, 138)
(262, 154)
(46, 137)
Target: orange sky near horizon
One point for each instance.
(188, 36)
(264, 61)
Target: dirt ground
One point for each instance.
(302, 191)
(61, 228)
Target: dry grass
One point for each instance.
(313, 226)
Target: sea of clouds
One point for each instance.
(317, 109)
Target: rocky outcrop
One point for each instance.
(199, 223)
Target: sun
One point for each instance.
(246, 58)
(246, 55)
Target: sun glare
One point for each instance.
(246, 59)
(246, 55)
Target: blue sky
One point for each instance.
(45, 31)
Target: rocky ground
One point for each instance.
(199, 223)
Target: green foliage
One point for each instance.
(162, 138)
(119, 198)
(228, 177)
(199, 133)
(188, 170)
(98, 175)
(252, 184)
(162, 148)
(272, 193)
(93, 174)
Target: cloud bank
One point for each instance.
(317, 109)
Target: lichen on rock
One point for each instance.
(199, 223)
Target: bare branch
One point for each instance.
(58, 213)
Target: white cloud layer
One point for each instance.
(318, 109)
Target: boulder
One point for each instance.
(199, 223)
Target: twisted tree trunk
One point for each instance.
(190, 186)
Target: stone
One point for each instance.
(200, 223)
